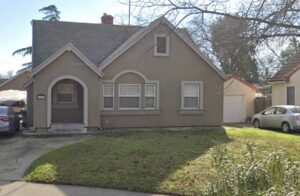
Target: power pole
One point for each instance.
(129, 7)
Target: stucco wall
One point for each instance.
(234, 87)
(16, 83)
(30, 106)
(67, 64)
(183, 64)
(279, 90)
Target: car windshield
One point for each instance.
(3, 111)
(295, 110)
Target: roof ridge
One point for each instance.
(88, 23)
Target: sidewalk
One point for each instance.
(20, 188)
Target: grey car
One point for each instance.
(9, 120)
(284, 117)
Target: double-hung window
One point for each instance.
(150, 96)
(162, 45)
(129, 96)
(191, 95)
(108, 94)
(65, 93)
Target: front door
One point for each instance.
(67, 102)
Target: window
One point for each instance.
(108, 95)
(191, 92)
(290, 95)
(150, 94)
(161, 45)
(129, 96)
(269, 111)
(280, 111)
(65, 93)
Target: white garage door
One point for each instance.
(234, 109)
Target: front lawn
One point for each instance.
(162, 162)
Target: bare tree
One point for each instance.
(270, 23)
(266, 18)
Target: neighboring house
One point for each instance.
(16, 82)
(239, 100)
(286, 83)
(107, 76)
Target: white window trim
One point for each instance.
(113, 96)
(200, 100)
(155, 96)
(139, 96)
(167, 44)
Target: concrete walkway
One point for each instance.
(17, 153)
(30, 189)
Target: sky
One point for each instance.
(16, 30)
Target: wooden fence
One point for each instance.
(262, 103)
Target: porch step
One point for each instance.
(67, 127)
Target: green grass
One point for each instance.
(162, 162)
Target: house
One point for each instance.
(107, 76)
(239, 100)
(16, 82)
(286, 83)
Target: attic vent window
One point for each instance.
(161, 45)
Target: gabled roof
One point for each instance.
(96, 41)
(141, 33)
(287, 70)
(19, 73)
(233, 76)
(67, 48)
(99, 43)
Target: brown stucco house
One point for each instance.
(286, 83)
(110, 76)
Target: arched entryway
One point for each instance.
(67, 101)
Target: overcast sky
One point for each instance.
(16, 31)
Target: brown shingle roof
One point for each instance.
(287, 70)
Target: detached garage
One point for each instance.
(239, 96)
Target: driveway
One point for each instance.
(17, 153)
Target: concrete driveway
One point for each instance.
(17, 153)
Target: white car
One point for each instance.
(284, 117)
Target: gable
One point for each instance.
(17, 82)
(168, 29)
(67, 48)
(235, 85)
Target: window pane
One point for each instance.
(161, 43)
(269, 111)
(108, 90)
(290, 95)
(108, 102)
(129, 102)
(149, 102)
(191, 90)
(150, 90)
(191, 102)
(66, 98)
(280, 111)
(129, 90)
(65, 89)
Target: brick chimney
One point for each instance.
(107, 19)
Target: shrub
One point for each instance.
(268, 174)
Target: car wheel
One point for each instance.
(285, 127)
(256, 124)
